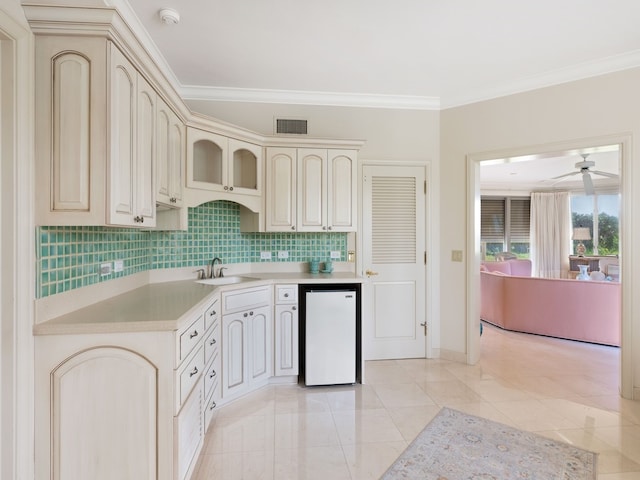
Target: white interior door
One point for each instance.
(394, 251)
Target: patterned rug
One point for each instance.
(457, 446)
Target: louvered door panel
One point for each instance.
(394, 220)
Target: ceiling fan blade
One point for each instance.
(604, 174)
(588, 183)
(565, 175)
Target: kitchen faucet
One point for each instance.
(212, 274)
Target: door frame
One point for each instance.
(432, 272)
(17, 250)
(627, 240)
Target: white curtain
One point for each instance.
(550, 233)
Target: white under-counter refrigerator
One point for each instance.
(330, 336)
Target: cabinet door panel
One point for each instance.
(312, 190)
(235, 355)
(286, 341)
(281, 190)
(122, 144)
(71, 133)
(163, 151)
(104, 412)
(145, 198)
(342, 188)
(176, 159)
(260, 347)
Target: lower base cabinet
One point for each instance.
(125, 405)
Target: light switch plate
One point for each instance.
(335, 255)
(456, 255)
(118, 266)
(283, 254)
(265, 255)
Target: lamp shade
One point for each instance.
(581, 233)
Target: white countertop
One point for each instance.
(165, 306)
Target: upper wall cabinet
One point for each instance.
(311, 190)
(221, 164)
(170, 154)
(95, 135)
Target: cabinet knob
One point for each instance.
(231, 189)
(194, 334)
(212, 313)
(212, 406)
(194, 372)
(226, 188)
(251, 313)
(212, 374)
(286, 295)
(329, 227)
(246, 315)
(212, 342)
(324, 228)
(293, 228)
(293, 308)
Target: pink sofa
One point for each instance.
(588, 311)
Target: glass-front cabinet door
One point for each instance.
(223, 164)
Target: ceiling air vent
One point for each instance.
(291, 126)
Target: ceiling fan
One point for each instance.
(583, 169)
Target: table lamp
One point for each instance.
(580, 234)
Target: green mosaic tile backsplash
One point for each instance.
(70, 257)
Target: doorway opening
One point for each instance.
(474, 190)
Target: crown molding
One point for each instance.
(297, 97)
(572, 73)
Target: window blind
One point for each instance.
(492, 220)
(520, 214)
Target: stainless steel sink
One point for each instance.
(225, 280)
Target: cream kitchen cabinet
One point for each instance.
(95, 135)
(128, 404)
(311, 190)
(286, 330)
(132, 120)
(170, 156)
(247, 326)
(222, 164)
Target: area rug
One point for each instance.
(457, 446)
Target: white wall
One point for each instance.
(595, 107)
(389, 134)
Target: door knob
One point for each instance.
(370, 273)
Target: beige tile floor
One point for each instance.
(564, 390)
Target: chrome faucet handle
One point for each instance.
(221, 271)
(201, 273)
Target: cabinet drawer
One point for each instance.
(212, 343)
(211, 314)
(212, 375)
(286, 294)
(190, 338)
(189, 375)
(244, 299)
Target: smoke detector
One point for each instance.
(169, 16)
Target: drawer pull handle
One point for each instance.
(194, 372)
(194, 334)
(213, 374)
(212, 342)
(212, 313)
(213, 405)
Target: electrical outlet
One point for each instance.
(105, 269)
(118, 266)
(265, 255)
(335, 255)
(456, 255)
(283, 254)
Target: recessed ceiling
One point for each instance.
(426, 54)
